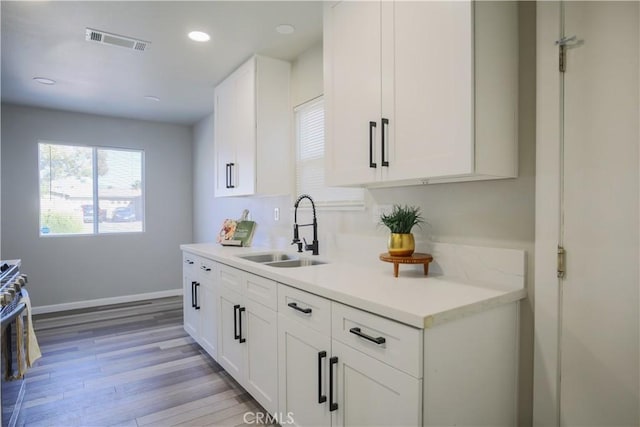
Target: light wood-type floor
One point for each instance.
(129, 365)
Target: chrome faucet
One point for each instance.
(296, 238)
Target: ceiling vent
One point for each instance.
(103, 37)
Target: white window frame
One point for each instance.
(95, 191)
(326, 198)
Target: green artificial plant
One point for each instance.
(401, 219)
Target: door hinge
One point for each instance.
(562, 259)
(563, 44)
(562, 58)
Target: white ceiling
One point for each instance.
(47, 39)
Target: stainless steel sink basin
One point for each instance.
(295, 263)
(268, 258)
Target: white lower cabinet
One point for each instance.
(304, 348)
(191, 316)
(324, 381)
(230, 339)
(311, 361)
(371, 393)
(247, 337)
(200, 302)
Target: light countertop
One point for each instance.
(412, 298)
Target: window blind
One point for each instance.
(309, 118)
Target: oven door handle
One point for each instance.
(6, 320)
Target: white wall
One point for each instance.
(76, 268)
(491, 213)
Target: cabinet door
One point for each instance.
(231, 319)
(224, 105)
(190, 314)
(431, 119)
(261, 373)
(208, 299)
(243, 171)
(303, 373)
(371, 393)
(235, 132)
(352, 91)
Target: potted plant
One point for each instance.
(400, 221)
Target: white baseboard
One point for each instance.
(104, 301)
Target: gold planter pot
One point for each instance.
(401, 244)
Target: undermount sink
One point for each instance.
(295, 263)
(282, 260)
(271, 257)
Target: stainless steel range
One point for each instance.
(12, 307)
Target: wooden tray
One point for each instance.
(416, 258)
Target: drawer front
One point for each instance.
(206, 267)
(189, 262)
(260, 290)
(301, 306)
(230, 277)
(393, 343)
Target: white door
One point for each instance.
(431, 117)
(231, 352)
(352, 55)
(303, 370)
(371, 393)
(599, 334)
(224, 105)
(189, 312)
(261, 376)
(586, 369)
(243, 122)
(208, 296)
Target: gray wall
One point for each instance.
(76, 268)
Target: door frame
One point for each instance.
(546, 379)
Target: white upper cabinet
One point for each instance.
(420, 92)
(252, 129)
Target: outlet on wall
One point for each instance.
(377, 210)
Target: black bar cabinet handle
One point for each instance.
(385, 124)
(240, 311)
(300, 309)
(372, 131)
(231, 165)
(332, 405)
(193, 294)
(226, 175)
(235, 322)
(358, 332)
(321, 397)
(197, 302)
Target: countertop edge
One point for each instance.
(470, 309)
(407, 318)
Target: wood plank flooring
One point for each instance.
(128, 365)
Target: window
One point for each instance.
(309, 119)
(74, 180)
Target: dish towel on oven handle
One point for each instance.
(33, 349)
(20, 353)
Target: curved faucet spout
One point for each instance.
(296, 239)
(297, 203)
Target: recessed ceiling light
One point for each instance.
(285, 28)
(44, 80)
(152, 98)
(199, 36)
